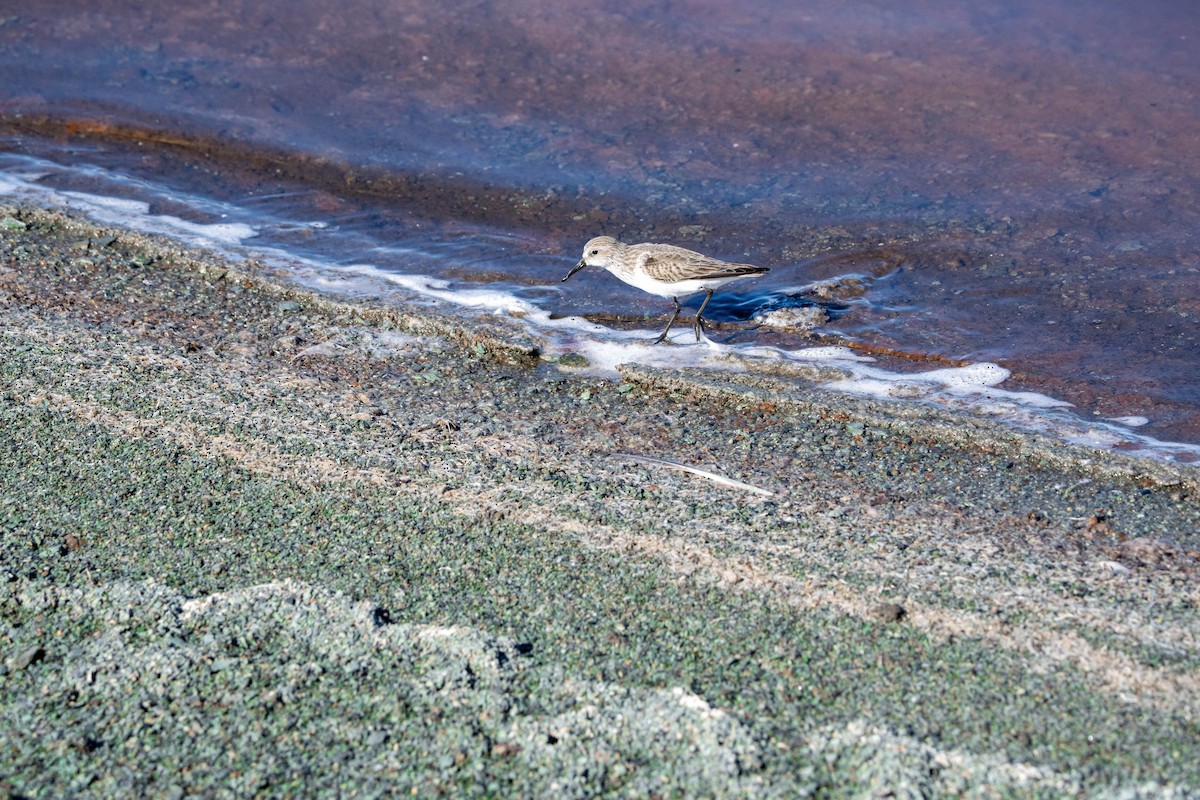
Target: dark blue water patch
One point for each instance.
(741, 307)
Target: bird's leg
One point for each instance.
(670, 322)
(698, 325)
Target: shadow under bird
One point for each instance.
(664, 270)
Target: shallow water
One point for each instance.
(1010, 182)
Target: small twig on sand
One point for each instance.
(703, 473)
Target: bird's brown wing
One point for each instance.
(691, 266)
(734, 270)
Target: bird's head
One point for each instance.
(596, 253)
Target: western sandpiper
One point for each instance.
(664, 270)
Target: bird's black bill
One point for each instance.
(578, 267)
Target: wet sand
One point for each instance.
(263, 542)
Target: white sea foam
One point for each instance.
(974, 388)
(23, 184)
(1129, 422)
(116, 211)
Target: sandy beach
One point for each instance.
(263, 542)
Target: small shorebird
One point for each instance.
(664, 270)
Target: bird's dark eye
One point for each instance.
(594, 253)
